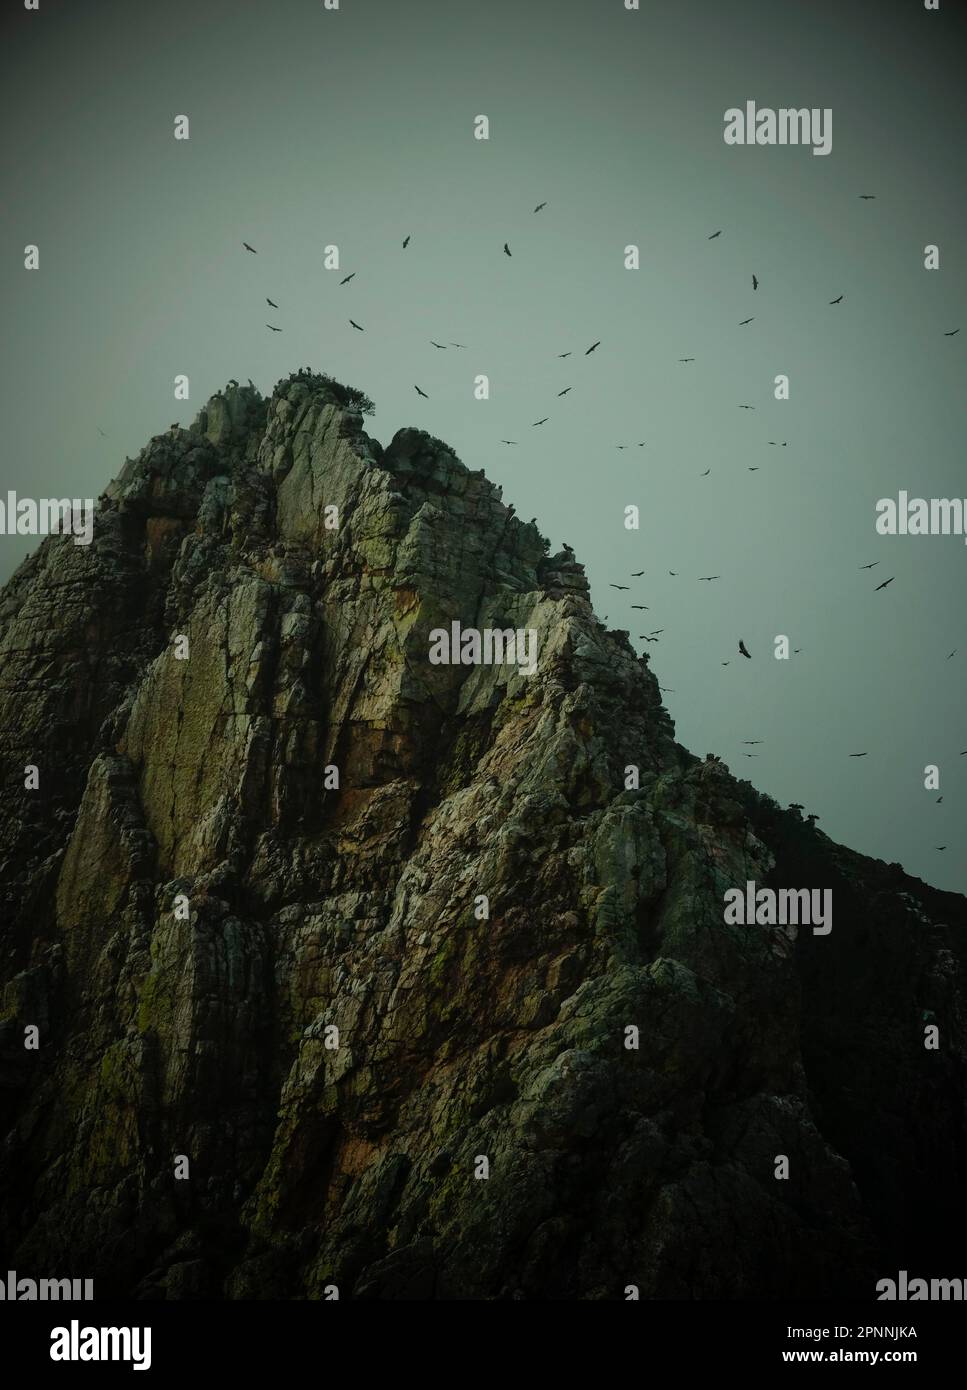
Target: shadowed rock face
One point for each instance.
(317, 1160)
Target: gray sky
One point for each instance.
(354, 127)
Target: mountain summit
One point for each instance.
(324, 964)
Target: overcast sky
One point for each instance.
(310, 127)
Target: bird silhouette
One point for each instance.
(511, 441)
(885, 583)
(941, 846)
(870, 565)
(754, 469)
(743, 322)
(272, 302)
(438, 345)
(565, 391)
(775, 442)
(274, 329)
(348, 278)
(867, 197)
(100, 432)
(750, 755)
(715, 234)
(706, 473)
(617, 586)
(707, 578)
(539, 206)
(643, 606)
(250, 248)
(563, 354)
(755, 283)
(421, 393)
(459, 345)
(506, 249)
(751, 742)
(953, 653)
(540, 422)
(938, 800)
(636, 574)
(357, 325)
(592, 347)
(953, 334)
(858, 755)
(673, 573)
(742, 649)
(747, 407)
(838, 301)
(686, 359)
(406, 243)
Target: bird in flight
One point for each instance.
(754, 469)
(540, 422)
(592, 347)
(743, 322)
(564, 392)
(726, 663)
(938, 800)
(406, 243)
(100, 432)
(438, 345)
(858, 755)
(885, 583)
(776, 443)
(838, 301)
(673, 573)
(742, 649)
(953, 653)
(617, 586)
(357, 325)
(953, 334)
(708, 577)
(751, 742)
(539, 206)
(459, 345)
(686, 359)
(421, 393)
(750, 755)
(274, 329)
(250, 248)
(870, 565)
(348, 278)
(563, 354)
(747, 407)
(506, 249)
(941, 846)
(706, 473)
(755, 283)
(636, 574)
(509, 441)
(648, 639)
(867, 196)
(272, 302)
(715, 234)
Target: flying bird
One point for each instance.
(563, 354)
(636, 574)
(686, 359)
(750, 755)
(564, 392)
(858, 755)
(941, 846)
(272, 302)
(885, 583)
(755, 283)
(250, 248)
(747, 407)
(754, 469)
(706, 473)
(751, 742)
(274, 329)
(459, 345)
(348, 278)
(867, 196)
(617, 586)
(708, 577)
(673, 573)
(715, 234)
(406, 243)
(938, 800)
(421, 393)
(870, 565)
(743, 322)
(643, 606)
(100, 432)
(775, 442)
(742, 649)
(540, 422)
(539, 206)
(506, 249)
(953, 334)
(592, 347)
(357, 325)
(649, 639)
(511, 441)
(438, 345)
(953, 653)
(838, 301)
(726, 663)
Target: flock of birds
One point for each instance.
(655, 634)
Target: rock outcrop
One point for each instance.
(244, 909)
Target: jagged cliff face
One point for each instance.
(350, 1157)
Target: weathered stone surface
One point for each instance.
(313, 906)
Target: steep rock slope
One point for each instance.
(350, 1157)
